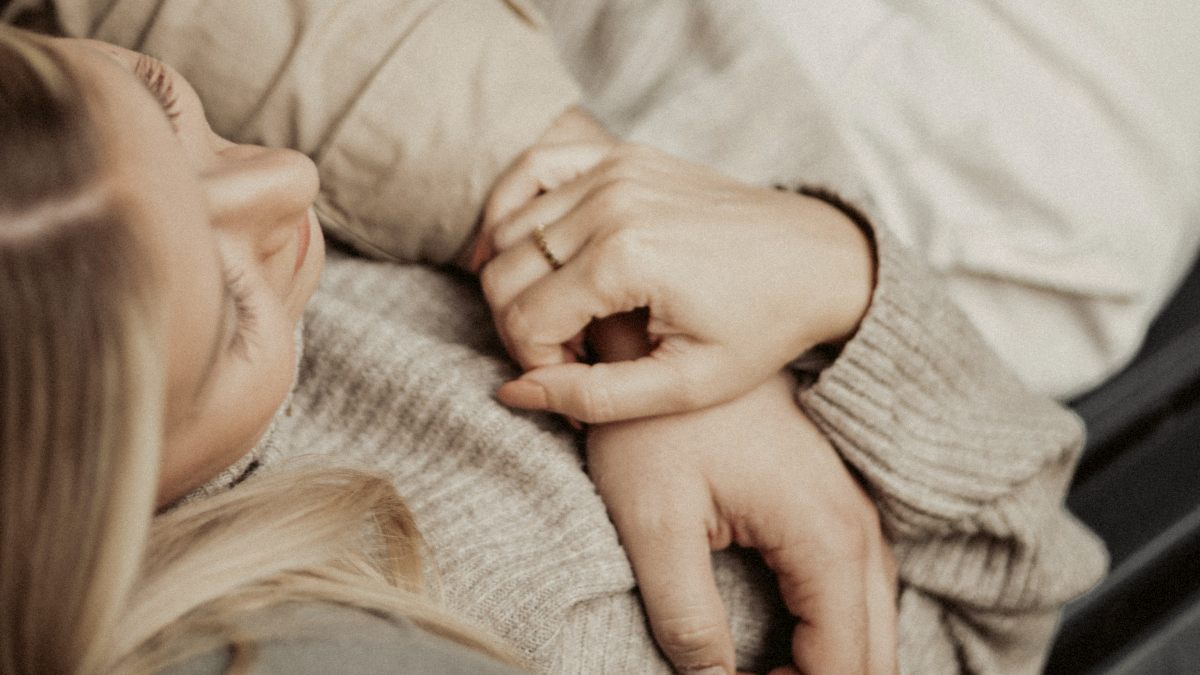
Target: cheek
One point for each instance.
(243, 417)
(238, 411)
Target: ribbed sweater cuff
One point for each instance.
(931, 418)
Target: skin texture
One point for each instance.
(234, 244)
(754, 472)
(645, 230)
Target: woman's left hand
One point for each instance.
(737, 280)
(755, 472)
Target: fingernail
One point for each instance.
(523, 394)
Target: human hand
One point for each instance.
(737, 281)
(531, 174)
(756, 472)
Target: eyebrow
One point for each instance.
(214, 352)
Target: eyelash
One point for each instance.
(246, 316)
(158, 80)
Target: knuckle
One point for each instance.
(686, 637)
(510, 233)
(594, 403)
(625, 249)
(516, 325)
(500, 230)
(602, 272)
(614, 197)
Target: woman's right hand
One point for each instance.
(737, 280)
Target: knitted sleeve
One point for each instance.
(968, 470)
(410, 108)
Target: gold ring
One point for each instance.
(539, 237)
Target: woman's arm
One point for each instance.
(411, 108)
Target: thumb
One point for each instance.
(622, 390)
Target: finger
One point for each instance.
(673, 566)
(543, 210)
(512, 271)
(607, 392)
(478, 253)
(557, 304)
(881, 610)
(828, 595)
(577, 345)
(539, 169)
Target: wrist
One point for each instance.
(852, 261)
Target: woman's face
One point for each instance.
(234, 241)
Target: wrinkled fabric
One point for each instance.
(1043, 158)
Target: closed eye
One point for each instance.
(244, 311)
(158, 80)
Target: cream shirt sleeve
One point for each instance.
(411, 108)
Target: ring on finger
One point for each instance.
(539, 238)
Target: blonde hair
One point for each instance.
(90, 580)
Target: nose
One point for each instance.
(259, 193)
